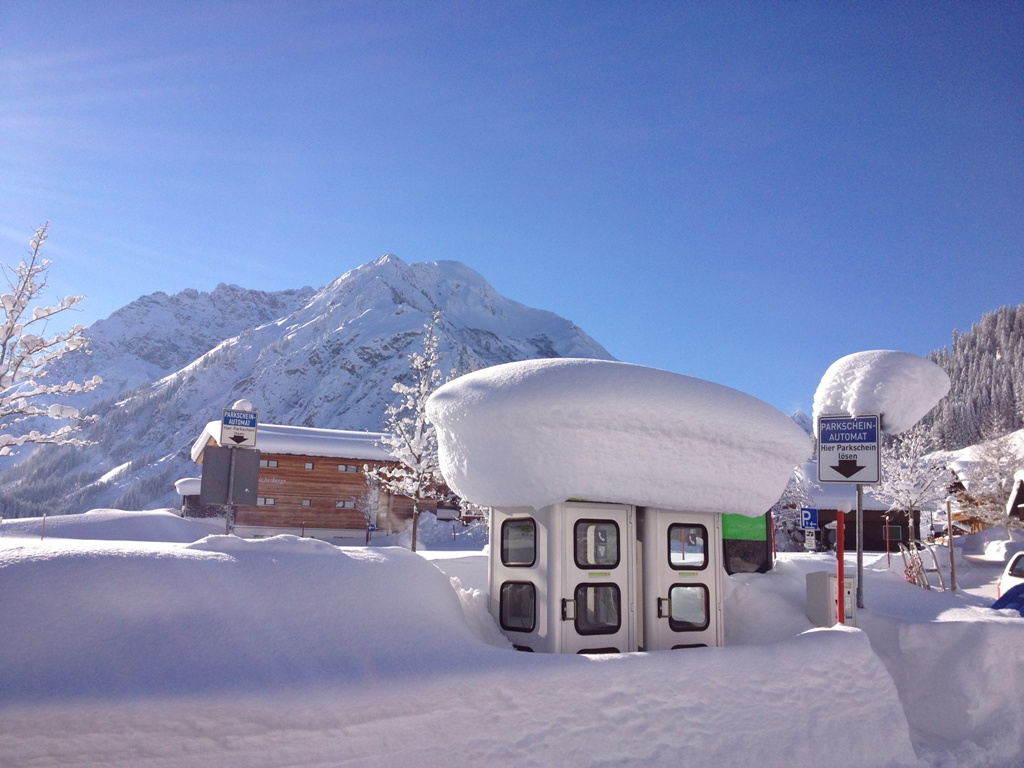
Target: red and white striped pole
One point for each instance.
(840, 567)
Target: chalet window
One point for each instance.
(309, 465)
(268, 463)
(596, 543)
(307, 503)
(518, 606)
(348, 468)
(264, 501)
(344, 505)
(687, 547)
(519, 542)
(597, 609)
(689, 608)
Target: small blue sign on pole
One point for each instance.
(808, 519)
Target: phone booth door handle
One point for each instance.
(664, 608)
(568, 609)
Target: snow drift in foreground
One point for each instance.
(289, 651)
(542, 431)
(898, 387)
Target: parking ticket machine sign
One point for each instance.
(848, 449)
(238, 428)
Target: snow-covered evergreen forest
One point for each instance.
(986, 369)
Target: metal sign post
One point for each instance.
(231, 476)
(860, 545)
(841, 566)
(848, 452)
(237, 430)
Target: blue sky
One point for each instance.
(742, 192)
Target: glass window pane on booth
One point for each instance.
(518, 606)
(687, 546)
(519, 542)
(597, 544)
(597, 609)
(689, 608)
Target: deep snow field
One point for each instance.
(142, 639)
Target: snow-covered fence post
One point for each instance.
(949, 538)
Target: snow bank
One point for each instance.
(289, 651)
(292, 651)
(115, 525)
(222, 614)
(542, 431)
(973, 709)
(897, 386)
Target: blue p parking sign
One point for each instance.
(808, 519)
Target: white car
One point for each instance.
(1012, 575)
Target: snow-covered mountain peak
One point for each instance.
(324, 358)
(160, 333)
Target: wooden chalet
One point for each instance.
(313, 483)
(883, 528)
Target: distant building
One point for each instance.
(313, 483)
(883, 528)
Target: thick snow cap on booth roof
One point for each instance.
(539, 432)
(898, 387)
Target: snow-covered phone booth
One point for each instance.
(607, 483)
(586, 577)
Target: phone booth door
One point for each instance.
(682, 579)
(597, 605)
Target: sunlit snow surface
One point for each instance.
(144, 641)
(897, 386)
(542, 431)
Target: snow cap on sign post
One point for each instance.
(242, 405)
(898, 386)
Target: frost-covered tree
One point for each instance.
(786, 511)
(912, 476)
(369, 500)
(25, 353)
(408, 436)
(988, 477)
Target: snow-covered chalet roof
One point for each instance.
(303, 441)
(188, 486)
(539, 432)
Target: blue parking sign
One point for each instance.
(808, 519)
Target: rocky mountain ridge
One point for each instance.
(323, 358)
